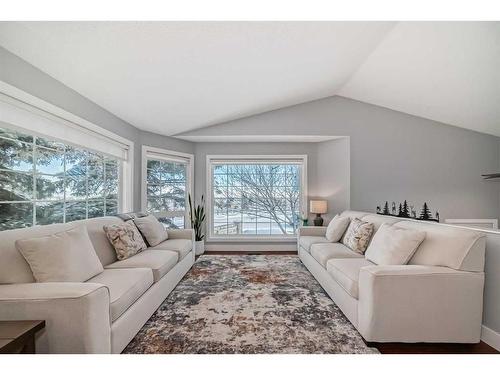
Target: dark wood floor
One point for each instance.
(392, 348)
(427, 348)
(212, 252)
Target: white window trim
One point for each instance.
(251, 158)
(37, 106)
(167, 155)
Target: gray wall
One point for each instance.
(332, 176)
(394, 156)
(19, 73)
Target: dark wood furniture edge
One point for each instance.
(16, 342)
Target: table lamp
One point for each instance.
(318, 208)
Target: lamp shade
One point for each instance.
(318, 207)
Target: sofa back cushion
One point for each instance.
(13, 267)
(152, 229)
(447, 246)
(15, 270)
(67, 256)
(378, 220)
(393, 245)
(105, 251)
(353, 214)
(336, 228)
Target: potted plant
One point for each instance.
(197, 217)
(303, 217)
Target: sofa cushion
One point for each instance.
(457, 248)
(378, 220)
(102, 246)
(125, 238)
(306, 241)
(393, 245)
(346, 273)
(152, 229)
(322, 252)
(179, 245)
(67, 256)
(336, 228)
(125, 286)
(358, 235)
(160, 262)
(354, 214)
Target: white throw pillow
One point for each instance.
(393, 246)
(151, 229)
(61, 257)
(336, 228)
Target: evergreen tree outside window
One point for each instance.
(166, 184)
(44, 182)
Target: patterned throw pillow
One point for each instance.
(125, 238)
(358, 235)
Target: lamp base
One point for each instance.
(318, 221)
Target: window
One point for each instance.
(166, 185)
(44, 181)
(255, 197)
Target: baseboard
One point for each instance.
(490, 337)
(245, 247)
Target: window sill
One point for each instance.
(252, 239)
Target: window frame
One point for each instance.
(43, 109)
(212, 160)
(169, 156)
(37, 175)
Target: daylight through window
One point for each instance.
(256, 199)
(45, 182)
(166, 190)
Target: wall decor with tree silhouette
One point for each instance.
(406, 211)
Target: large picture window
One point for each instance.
(255, 198)
(43, 181)
(167, 181)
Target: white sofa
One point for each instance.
(436, 297)
(104, 313)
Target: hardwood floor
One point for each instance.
(250, 252)
(431, 348)
(393, 348)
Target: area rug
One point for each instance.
(248, 304)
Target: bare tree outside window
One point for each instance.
(256, 199)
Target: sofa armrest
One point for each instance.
(414, 303)
(76, 315)
(187, 234)
(312, 231)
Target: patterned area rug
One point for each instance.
(248, 304)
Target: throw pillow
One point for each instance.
(61, 257)
(125, 238)
(392, 245)
(358, 235)
(152, 229)
(336, 228)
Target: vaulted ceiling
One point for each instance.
(171, 77)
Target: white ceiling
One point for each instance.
(171, 77)
(444, 71)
